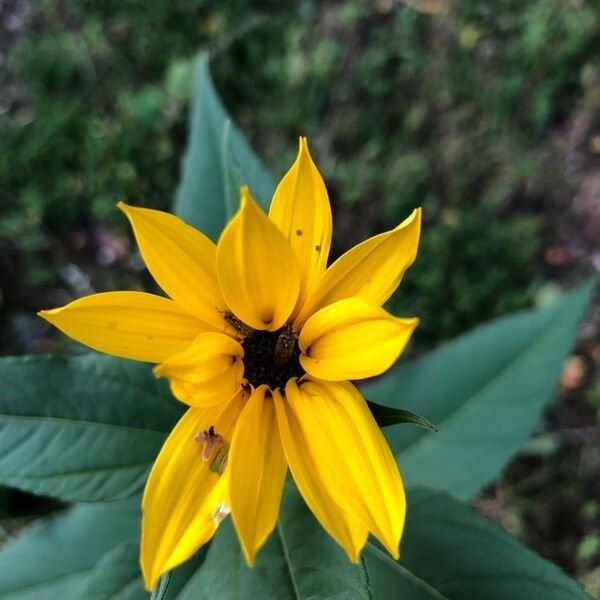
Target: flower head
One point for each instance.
(260, 339)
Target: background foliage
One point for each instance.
(487, 117)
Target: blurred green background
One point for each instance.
(487, 116)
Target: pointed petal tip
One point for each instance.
(392, 548)
(303, 149)
(246, 199)
(131, 212)
(414, 217)
(48, 313)
(353, 554)
(149, 585)
(414, 322)
(413, 220)
(150, 579)
(303, 152)
(124, 208)
(391, 536)
(249, 557)
(245, 193)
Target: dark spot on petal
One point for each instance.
(318, 248)
(298, 232)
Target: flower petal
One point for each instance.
(208, 372)
(352, 339)
(371, 270)
(185, 498)
(350, 456)
(182, 261)
(301, 209)
(317, 492)
(257, 269)
(257, 473)
(128, 324)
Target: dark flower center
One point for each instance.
(271, 357)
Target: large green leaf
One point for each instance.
(298, 561)
(57, 558)
(485, 391)
(242, 167)
(448, 552)
(389, 579)
(117, 575)
(218, 160)
(81, 429)
(460, 555)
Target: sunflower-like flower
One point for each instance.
(260, 339)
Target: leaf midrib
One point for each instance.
(287, 560)
(73, 422)
(128, 466)
(403, 571)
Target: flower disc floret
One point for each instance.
(271, 358)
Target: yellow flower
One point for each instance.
(260, 338)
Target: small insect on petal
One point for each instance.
(210, 441)
(284, 346)
(240, 327)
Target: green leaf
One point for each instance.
(233, 178)
(81, 429)
(117, 575)
(462, 555)
(242, 167)
(218, 160)
(485, 390)
(386, 416)
(298, 561)
(173, 582)
(448, 552)
(390, 579)
(56, 558)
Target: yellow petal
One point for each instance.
(301, 209)
(182, 261)
(371, 270)
(352, 339)
(127, 324)
(347, 531)
(257, 269)
(350, 456)
(257, 473)
(185, 498)
(208, 372)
